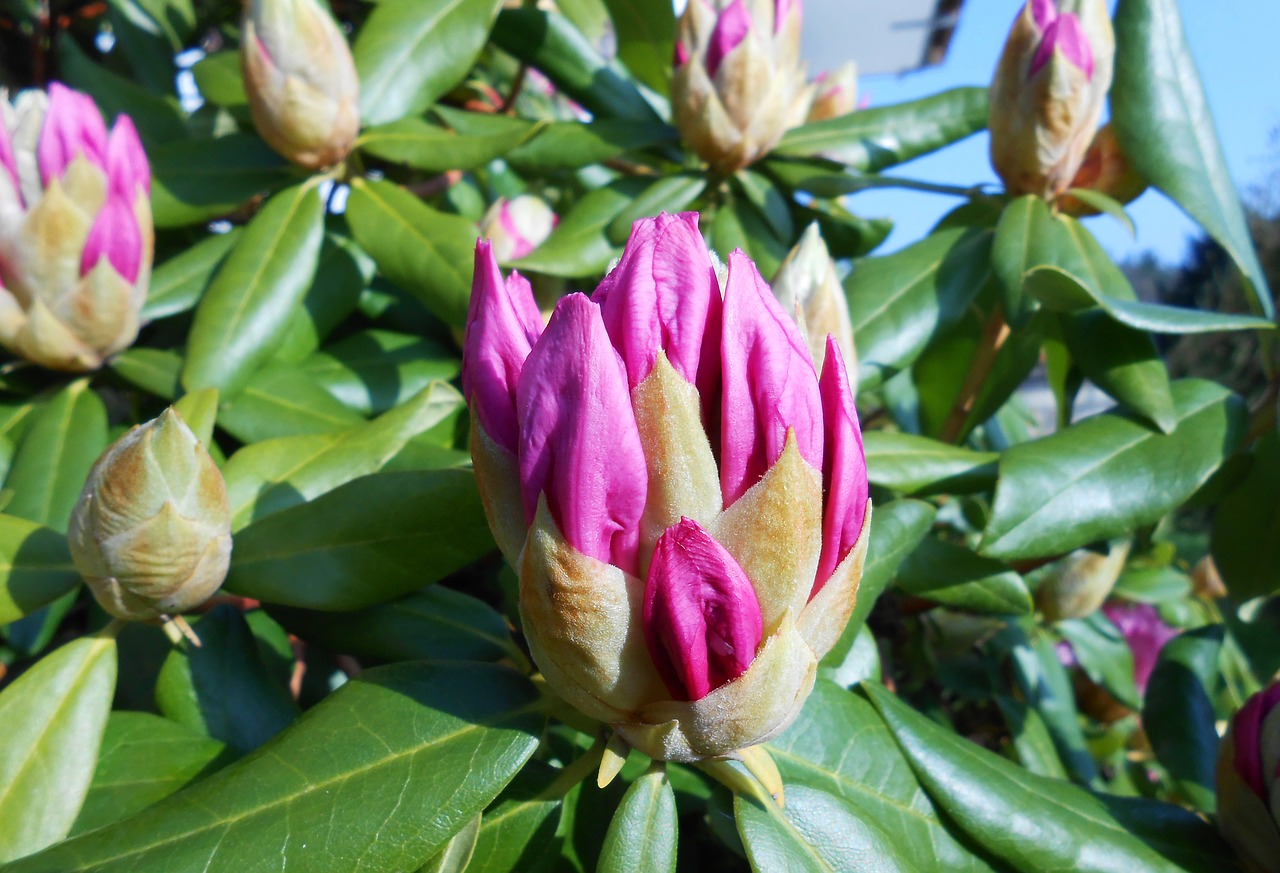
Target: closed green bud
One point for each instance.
(151, 533)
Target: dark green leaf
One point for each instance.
(1123, 362)
(422, 145)
(952, 575)
(911, 464)
(643, 833)
(196, 180)
(581, 245)
(646, 39)
(1031, 737)
(35, 567)
(668, 194)
(568, 145)
(1103, 654)
(518, 833)
(438, 755)
(1178, 712)
(157, 118)
(376, 370)
(457, 853)
(1246, 527)
(178, 283)
(282, 401)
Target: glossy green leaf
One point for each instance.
(1108, 474)
(954, 576)
(456, 854)
(646, 39)
(221, 688)
(246, 309)
(1162, 121)
(52, 718)
(272, 475)
(899, 302)
(580, 245)
(568, 145)
(220, 80)
(1031, 738)
(816, 832)
(178, 283)
(157, 371)
(157, 117)
(1178, 712)
(739, 225)
(1152, 584)
(431, 148)
(1015, 360)
(35, 567)
(144, 758)
(1103, 655)
(436, 622)
(437, 755)
(643, 833)
(367, 542)
(1123, 362)
(861, 662)
(343, 272)
(196, 180)
(200, 411)
(426, 252)
(668, 194)
(847, 235)
(376, 370)
(873, 139)
(1031, 822)
(1246, 527)
(839, 745)
(283, 401)
(548, 41)
(411, 52)
(912, 464)
(518, 833)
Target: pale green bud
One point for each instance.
(808, 287)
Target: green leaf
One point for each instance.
(1103, 654)
(1030, 822)
(283, 401)
(426, 252)
(581, 245)
(1108, 474)
(1178, 712)
(952, 575)
(436, 622)
(874, 139)
(643, 833)
(439, 754)
(1246, 527)
(1152, 584)
(178, 283)
(52, 718)
(157, 118)
(244, 314)
(221, 688)
(1162, 122)
(144, 758)
(196, 180)
(518, 833)
(815, 833)
(269, 476)
(1031, 737)
(646, 39)
(912, 464)
(157, 371)
(1123, 362)
(220, 80)
(343, 272)
(551, 43)
(376, 370)
(424, 146)
(457, 852)
(899, 302)
(367, 542)
(840, 746)
(568, 145)
(860, 662)
(409, 53)
(668, 194)
(200, 411)
(35, 567)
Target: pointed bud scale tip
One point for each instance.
(731, 29)
(701, 615)
(503, 323)
(578, 440)
(1064, 33)
(1247, 726)
(844, 472)
(72, 126)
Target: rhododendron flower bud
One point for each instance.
(76, 238)
(835, 93)
(739, 83)
(808, 286)
(301, 81)
(517, 226)
(682, 493)
(1249, 782)
(1048, 94)
(1075, 586)
(151, 533)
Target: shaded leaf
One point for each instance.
(1178, 712)
(952, 575)
(35, 567)
(178, 283)
(196, 180)
(1246, 527)
(643, 833)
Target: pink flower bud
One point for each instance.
(1145, 632)
(731, 29)
(72, 128)
(1249, 781)
(1066, 34)
(844, 472)
(701, 615)
(518, 226)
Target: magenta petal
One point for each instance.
(1247, 732)
(731, 29)
(663, 294)
(1066, 33)
(502, 325)
(72, 126)
(844, 470)
(522, 246)
(1145, 633)
(127, 166)
(1044, 12)
(116, 237)
(579, 443)
(781, 9)
(701, 614)
(769, 383)
(679, 55)
(8, 162)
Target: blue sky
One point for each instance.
(1235, 49)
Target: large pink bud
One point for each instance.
(1249, 781)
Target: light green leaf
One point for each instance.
(952, 575)
(282, 401)
(157, 371)
(178, 283)
(376, 370)
(643, 834)
(424, 146)
(912, 464)
(456, 854)
(568, 145)
(646, 39)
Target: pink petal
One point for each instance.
(7, 161)
(680, 55)
(1064, 32)
(782, 8)
(731, 29)
(72, 126)
(508, 223)
(844, 471)
(1044, 12)
(1247, 730)
(503, 323)
(769, 383)
(116, 237)
(1145, 633)
(701, 614)
(578, 438)
(664, 295)
(127, 166)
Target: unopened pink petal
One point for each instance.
(72, 126)
(731, 29)
(127, 166)
(701, 615)
(1044, 12)
(1066, 33)
(7, 161)
(1144, 631)
(680, 54)
(781, 9)
(769, 386)
(1247, 731)
(579, 444)
(502, 325)
(115, 236)
(844, 470)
